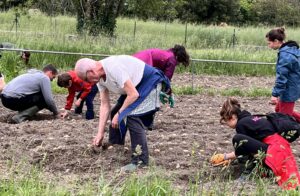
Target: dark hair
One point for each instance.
(51, 68)
(276, 33)
(230, 107)
(26, 55)
(181, 55)
(63, 80)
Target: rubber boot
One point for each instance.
(25, 114)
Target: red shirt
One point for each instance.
(78, 85)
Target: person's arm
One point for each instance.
(103, 117)
(132, 96)
(170, 68)
(229, 156)
(47, 94)
(70, 99)
(68, 106)
(86, 90)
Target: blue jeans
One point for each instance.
(88, 102)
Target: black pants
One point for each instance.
(138, 137)
(25, 102)
(245, 145)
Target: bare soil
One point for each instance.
(182, 142)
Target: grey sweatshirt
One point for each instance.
(33, 81)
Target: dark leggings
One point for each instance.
(137, 136)
(245, 145)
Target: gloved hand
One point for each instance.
(219, 159)
(171, 101)
(163, 97)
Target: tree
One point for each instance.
(278, 12)
(247, 11)
(97, 16)
(210, 11)
(6, 4)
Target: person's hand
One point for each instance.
(171, 101)
(97, 141)
(274, 100)
(163, 97)
(64, 114)
(219, 159)
(78, 102)
(114, 122)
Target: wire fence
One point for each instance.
(106, 55)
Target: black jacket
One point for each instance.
(254, 126)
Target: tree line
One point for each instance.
(99, 16)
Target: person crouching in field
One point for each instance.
(287, 84)
(29, 93)
(254, 135)
(87, 93)
(139, 86)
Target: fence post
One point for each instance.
(233, 39)
(134, 29)
(193, 68)
(185, 34)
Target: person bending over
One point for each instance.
(139, 86)
(87, 93)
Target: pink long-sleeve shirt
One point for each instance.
(161, 59)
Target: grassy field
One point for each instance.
(40, 32)
(152, 182)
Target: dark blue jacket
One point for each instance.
(287, 83)
(151, 78)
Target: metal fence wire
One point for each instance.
(106, 55)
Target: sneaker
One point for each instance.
(128, 168)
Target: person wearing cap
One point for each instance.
(139, 86)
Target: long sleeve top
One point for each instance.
(161, 59)
(78, 85)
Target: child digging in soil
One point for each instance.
(87, 93)
(255, 134)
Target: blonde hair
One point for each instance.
(83, 65)
(230, 107)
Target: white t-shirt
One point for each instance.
(118, 70)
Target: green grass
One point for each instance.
(252, 92)
(205, 42)
(32, 181)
